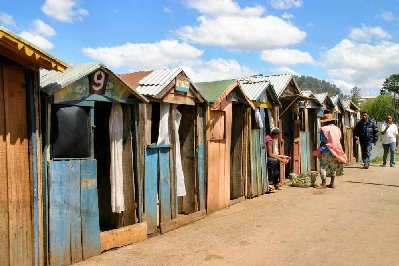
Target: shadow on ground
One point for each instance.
(368, 183)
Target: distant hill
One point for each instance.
(316, 85)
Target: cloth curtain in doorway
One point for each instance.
(116, 168)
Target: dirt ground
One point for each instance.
(357, 223)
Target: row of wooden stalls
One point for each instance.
(91, 160)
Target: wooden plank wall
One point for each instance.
(4, 232)
(201, 157)
(218, 192)
(20, 225)
(129, 215)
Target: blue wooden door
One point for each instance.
(201, 176)
(74, 232)
(157, 186)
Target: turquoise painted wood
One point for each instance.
(89, 209)
(74, 212)
(164, 185)
(201, 176)
(74, 231)
(150, 189)
(59, 222)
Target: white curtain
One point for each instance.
(181, 187)
(163, 136)
(116, 170)
(258, 118)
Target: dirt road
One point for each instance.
(357, 223)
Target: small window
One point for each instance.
(70, 134)
(218, 125)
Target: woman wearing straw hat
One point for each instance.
(332, 157)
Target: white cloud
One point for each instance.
(224, 7)
(37, 40)
(369, 33)
(246, 33)
(284, 57)
(218, 69)
(287, 16)
(362, 65)
(286, 4)
(42, 28)
(7, 20)
(64, 10)
(387, 16)
(138, 56)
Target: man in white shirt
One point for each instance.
(389, 132)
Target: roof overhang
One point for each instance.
(27, 54)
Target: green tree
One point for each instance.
(355, 95)
(380, 107)
(391, 84)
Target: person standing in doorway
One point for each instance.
(366, 133)
(389, 132)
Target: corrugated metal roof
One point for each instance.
(308, 94)
(279, 82)
(155, 82)
(28, 50)
(335, 99)
(253, 89)
(214, 89)
(321, 96)
(52, 81)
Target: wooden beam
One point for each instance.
(123, 236)
(178, 99)
(182, 221)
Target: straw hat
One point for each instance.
(328, 117)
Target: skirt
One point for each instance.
(330, 166)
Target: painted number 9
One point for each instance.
(99, 79)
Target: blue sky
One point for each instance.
(350, 43)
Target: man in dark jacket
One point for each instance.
(366, 133)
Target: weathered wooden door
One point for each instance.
(258, 159)
(74, 231)
(305, 153)
(296, 160)
(157, 185)
(16, 236)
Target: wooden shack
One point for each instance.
(21, 184)
(173, 168)
(289, 122)
(228, 120)
(350, 112)
(309, 107)
(91, 155)
(262, 94)
(327, 103)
